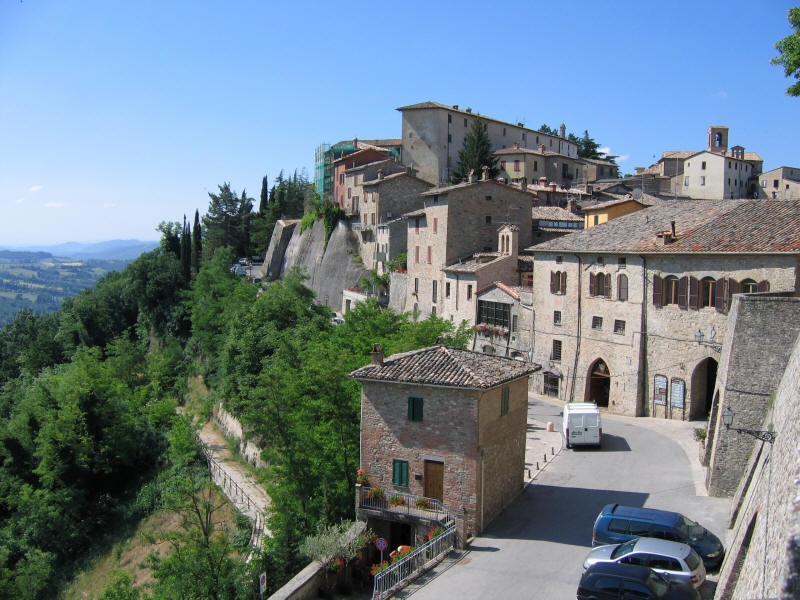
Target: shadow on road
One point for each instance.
(611, 443)
(538, 514)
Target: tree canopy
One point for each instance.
(789, 49)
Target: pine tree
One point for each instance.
(186, 251)
(264, 203)
(475, 154)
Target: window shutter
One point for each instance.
(563, 286)
(622, 287)
(694, 293)
(734, 287)
(683, 283)
(658, 297)
(763, 286)
(411, 409)
(591, 284)
(608, 284)
(719, 295)
(553, 283)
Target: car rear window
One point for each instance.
(640, 529)
(618, 526)
(590, 420)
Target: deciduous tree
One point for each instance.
(789, 49)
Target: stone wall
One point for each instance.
(763, 558)
(273, 259)
(754, 357)
(231, 427)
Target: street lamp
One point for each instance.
(764, 436)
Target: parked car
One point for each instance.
(616, 524)
(614, 581)
(674, 560)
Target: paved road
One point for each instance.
(536, 548)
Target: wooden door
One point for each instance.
(434, 479)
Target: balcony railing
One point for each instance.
(400, 503)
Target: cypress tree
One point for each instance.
(186, 251)
(475, 154)
(197, 244)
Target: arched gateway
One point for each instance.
(598, 383)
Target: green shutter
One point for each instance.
(400, 473)
(414, 409)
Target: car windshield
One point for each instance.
(694, 531)
(658, 584)
(624, 549)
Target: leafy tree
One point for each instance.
(789, 49)
(226, 222)
(545, 128)
(156, 281)
(475, 154)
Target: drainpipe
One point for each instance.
(482, 487)
(578, 337)
(644, 383)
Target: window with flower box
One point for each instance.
(494, 313)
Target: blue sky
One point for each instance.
(116, 116)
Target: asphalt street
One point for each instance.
(535, 549)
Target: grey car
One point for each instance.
(674, 560)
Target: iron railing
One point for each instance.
(402, 503)
(423, 557)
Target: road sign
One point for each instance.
(381, 544)
(262, 584)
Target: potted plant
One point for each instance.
(423, 503)
(396, 500)
(361, 477)
(377, 493)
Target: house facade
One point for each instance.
(782, 183)
(446, 425)
(504, 322)
(457, 222)
(519, 164)
(433, 134)
(632, 314)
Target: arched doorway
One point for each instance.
(598, 383)
(704, 378)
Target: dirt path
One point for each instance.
(235, 480)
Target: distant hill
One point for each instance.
(110, 250)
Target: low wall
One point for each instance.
(304, 585)
(231, 427)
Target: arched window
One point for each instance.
(670, 290)
(749, 286)
(708, 291)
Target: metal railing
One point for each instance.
(402, 503)
(398, 574)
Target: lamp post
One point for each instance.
(764, 436)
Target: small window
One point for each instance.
(702, 180)
(555, 354)
(502, 165)
(708, 291)
(416, 254)
(488, 198)
(449, 138)
(469, 292)
(749, 286)
(516, 165)
(435, 290)
(514, 323)
(622, 262)
(559, 260)
(686, 182)
(536, 165)
(703, 165)
(597, 322)
(449, 118)
(670, 287)
(619, 327)
(465, 121)
(600, 260)
(622, 287)
(446, 289)
(556, 317)
(504, 397)
(435, 224)
(504, 132)
(488, 219)
(430, 255)
(596, 220)
(414, 408)
(400, 473)
(416, 285)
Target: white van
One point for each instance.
(581, 423)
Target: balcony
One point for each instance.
(399, 506)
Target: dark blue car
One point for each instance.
(615, 581)
(616, 524)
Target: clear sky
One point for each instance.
(116, 116)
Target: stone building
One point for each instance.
(550, 222)
(457, 222)
(351, 174)
(757, 379)
(519, 164)
(446, 425)
(503, 324)
(631, 314)
(782, 183)
(433, 135)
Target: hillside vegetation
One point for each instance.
(91, 444)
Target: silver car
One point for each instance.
(674, 560)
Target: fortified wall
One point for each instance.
(329, 269)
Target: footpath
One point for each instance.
(235, 481)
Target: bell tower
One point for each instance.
(718, 139)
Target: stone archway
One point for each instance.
(598, 383)
(704, 378)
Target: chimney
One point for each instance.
(516, 145)
(469, 110)
(455, 106)
(672, 226)
(484, 173)
(377, 355)
(562, 131)
(471, 176)
(541, 148)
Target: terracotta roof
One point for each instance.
(511, 290)
(612, 202)
(446, 366)
(701, 226)
(475, 264)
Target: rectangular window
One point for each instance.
(430, 254)
(416, 285)
(702, 180)
(597, 322)
(619, 327)
(341, 179)
(414, 408)
(449, 138)
(435, 290)
(488, 198)
(622, 262)
(504, 397)
(516, 165)
(502, 165)
(469, 292)
(494, 313)
(556, 317)
(435, 224)
(555, 354)
(465, 121)
(488, 219)
(559, 260)
(446, 289)
(536, 165)
(416, 224)
(686, 181)
(600, 260)
(416, 254)
(400, 473)
(514, 323)
(703, 165)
